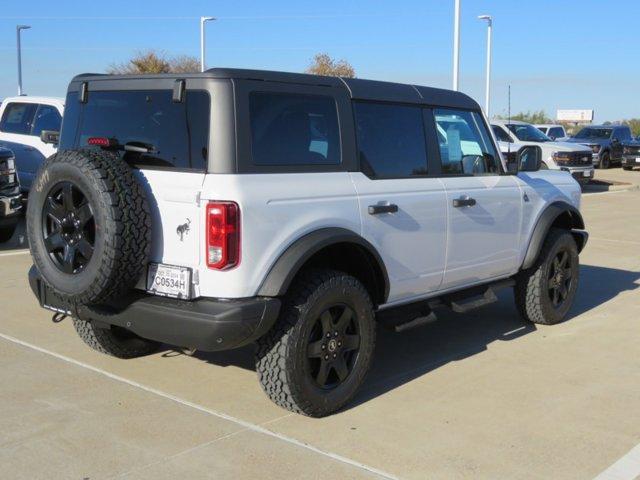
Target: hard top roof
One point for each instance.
(357, 88)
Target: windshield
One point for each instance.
(528, 133)
(594, 133)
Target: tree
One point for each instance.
(634, 125)
(151, 61)
(531, 117)
(323, 64)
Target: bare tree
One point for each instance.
(323, 64)
(151, 61)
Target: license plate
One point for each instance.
(586, 173)
(169, 280)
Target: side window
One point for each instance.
(500, 134)
(291, 129)
(18, 118)
(391, 140)
(625, 134)
(556, 132)
(543, 130)
(47, 118)
(465, 146)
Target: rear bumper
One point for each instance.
(204, 324)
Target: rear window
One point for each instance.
(291, 129)
(178, 132)
(18, 118)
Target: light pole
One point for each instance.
(19, 28)
(488, 86)
(202, 22)
(456, 43)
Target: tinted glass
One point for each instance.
(556, 132)
(47, 118)
(527, 133)
(18, 118)
(290, 129)
(391, 140)
(465, 146)
(543, 130)
(176, 133)
(602, 133)
(623, 134)
(70, 120)
(500, 134)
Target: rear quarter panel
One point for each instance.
(275, 210)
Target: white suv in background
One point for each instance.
(568, 157)
(22, 121)
(555, 132)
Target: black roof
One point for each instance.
(357, 88)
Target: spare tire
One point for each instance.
(89, 226)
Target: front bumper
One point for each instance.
(631, 160)
(205, 324)
(580, 174)
(10, 209)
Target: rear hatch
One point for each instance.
(166, 143)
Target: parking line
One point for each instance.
(15, 252)
(248, 425)
(627, 468)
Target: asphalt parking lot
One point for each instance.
(481, 395)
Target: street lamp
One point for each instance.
(488, 85)
(202, 22)
(456, 44)
(18, 29)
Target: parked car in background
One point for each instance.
(513, 135)
(605, 141)
(10, 197)
(557, 133)
(22, 121)
(631, 154)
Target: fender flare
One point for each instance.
(543, 225)
(286, 267)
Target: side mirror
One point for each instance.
(529, 159)
(50, 136)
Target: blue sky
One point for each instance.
(553, 53)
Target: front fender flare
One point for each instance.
(543, 225)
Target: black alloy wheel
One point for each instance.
(560, 278)
(333, 346)
(68, 227)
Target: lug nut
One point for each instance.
(339, 344)
(326, 357)
(323, 346)
(328, 335)
(334, 355)
(335, 334)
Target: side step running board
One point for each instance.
(465, 301)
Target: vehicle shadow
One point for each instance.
(402, 357)
(19, 239)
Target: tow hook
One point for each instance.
(58, 317)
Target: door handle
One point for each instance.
(464, 202)
(377, 209)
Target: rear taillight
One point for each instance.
(223, 235)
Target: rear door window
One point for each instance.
(391, 140)
(294, 129)
(47, 118)
(556, 132)
(177, 133)
(501, 134)
(465, 145)
(18, 118)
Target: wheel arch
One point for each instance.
(337, 248)
(559, 214)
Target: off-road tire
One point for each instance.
(605, 161)
(122, 219)
(281, 353)
(532, 285)
(114, 341)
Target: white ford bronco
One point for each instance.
(214, 210)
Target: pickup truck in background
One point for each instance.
(22, 121)
(557, 133)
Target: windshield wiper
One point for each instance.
(114, 144)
